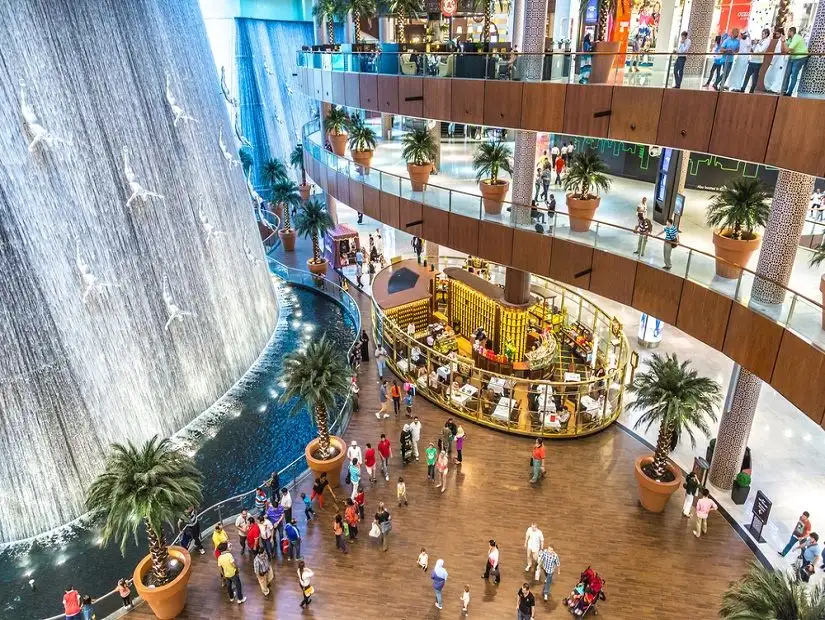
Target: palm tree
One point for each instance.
(606, 9)
(403, 10)
(274, 171)
(315, 378)
(676, 398)
(337, 121)
(145, 486)
(490, 158)
(586, 172)
(296, 160)
(740, 209)
(367, 8)
(328, 10)
(285, 193)
(818, 255)
(361, 136)
(419, 147)
(764, 594)
(313, 222)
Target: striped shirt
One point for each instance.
(671, 232)
(549, 561)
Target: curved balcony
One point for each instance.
(780, 344)
(778, 130)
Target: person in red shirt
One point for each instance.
(538, 454)
(386, 452)
(559, 168)
(253, 535)
(369, 462)
(360, 501)
(351, 517)
(71, 604)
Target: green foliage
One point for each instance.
(490, 158)
(740, 209)
(818, 255)
(361, 136)
(313, 221)
(274, 172)
(419, 147)
(405, 9)
(285, 193)
(296, 160)
(743, 479)
(586, 172)
(328, 9)
(337, 121)
(765, 594)
(673, 396)
(144, 486)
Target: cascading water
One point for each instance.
(116, 321)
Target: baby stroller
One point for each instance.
(587, 593)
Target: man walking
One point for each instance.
(549, 562)
(643, 228)
(800, 532)
(681, 59)
(526, 603)
(415, 429)
(534, 543)
(229, 571)
(241, 527)
(383, 399)
(703, 508)
(385, 452)
(730, 46)
(263, 571)
(294, 538)
(671, 241)
(380, 360)
(538, 461)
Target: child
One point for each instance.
(309, 511)
(465, 599)
(408, 400)
(423, 559)
(338, 530)
(401, 490)
(125, 593)
(88, 610)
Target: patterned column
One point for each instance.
(533, 20)
(812, 82)
(699, 23)
(524, 166)
(431, 253)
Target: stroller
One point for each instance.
(587, 593)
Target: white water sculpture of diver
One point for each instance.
(138, 191)
(250, 255)
(172, 309)
(268, 69)
(208, 227)
(255, 196)
(237, 126)
(225, 90)
(177, 111)
(31, 123)
(226, 154)
(90, 281)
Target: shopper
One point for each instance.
(369, 462)
(395, 392)
(460, 436)
(309, 511)
(798, 49)
(71, 603)
(193, 528)
(671, 241)
(286, 504)
(729, 48)
(338, 530)
(125, 593)
(293, 536)
(241, 528)
(533, 543)
(361, 501)
(408, 401)
(492, 566)
(380, 360)
(354, 452)
(441, 466)
(318, 488)
(263, 571)
(681, 59)
(229, 572)
(305, 576)
(755, 60)
(439, 577)
(267, 531)
(385, 452)
(537, 461)
(431, 454)
(382, 399)
(354, 477)
(691, 487)
(465, 600)
(415, 430)
(559, 169)
(365, 346)
(401, 492)
(703, 509)
(718, 61)
(549, 563)
(352, 519)
(418, 248)
(800, 532)
(253, 536)
(811, 550)
(405, 444)
(219, 535)
(643, 228)
(87, 609)
(359, 273)
(546, 179)
(526, 603)
(384, 523)
(447, 438)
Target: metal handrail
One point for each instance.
(628, 52)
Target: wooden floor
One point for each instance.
(587, 508)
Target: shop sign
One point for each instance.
(591, 12)
(650, 331)
(449, 7)
(761, 512)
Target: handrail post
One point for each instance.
(687, 266)
(791, 310)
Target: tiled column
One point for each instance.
(524, 166)
(699, 23)
(812, 82)
(431, 253)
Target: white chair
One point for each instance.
(407, 66)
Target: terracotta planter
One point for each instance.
(419, 176)
(654, 495)
(167, 601)
(338, 142)
(332, 467)
(493, 195)
(318, 269)
(822, 290)
(304, 191)
(362, 158)
(732, 253)
(601, 65)
(581, 212)
(287, 239)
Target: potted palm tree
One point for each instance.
(674, 396)
(144, 488)
(337, 124)
(586, 173)
(402, 10)
(489, 160)
(362, 141)
(285, 194)
(359, 8)
(296, 159)
(273, 172)
(816, 259)
(419, 152)
(313, 222)
(764, 593)
(327, 11)
(735, 214)
(315, 378)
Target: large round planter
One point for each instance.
(166, 601)
(363, 159)
(419, 176)
(602, 64)
(338, 143)
(332, 467)
(319, 269)
(287, 238)
(730, 252)
(304, 191)
(581, 212)
(653, 494)
(493, 195)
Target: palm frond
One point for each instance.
(313, 221)
(285, 193)
(765, 594)
(490, 158)
(586, 172)
(741, 208)
(361, 136)
(818, 255)
(274, 171)
(337, 120)
(419, 147)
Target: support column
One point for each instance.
(516, 286)
(431, 253)
(332, 209)
(524, 168)
(517, 13)
(683, 172)
(349, 28)
(699, 23)
(386, 29)
(386, 126)
(812, 82)
(435, 133)
(664, 42)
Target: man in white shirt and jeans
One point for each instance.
(534, 543)
(681, 59)
(755, 60)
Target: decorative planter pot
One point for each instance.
(338, 143)
(493, 195)
(581, 212)
(601, 64)
(732, 253)
(287, 239)
(653, 494)
(332, 467)
(362, 158)
(166, 601)
(739, 494)
(304, 191)
(419, 176)
(318, 269)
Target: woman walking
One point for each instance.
(439, 577)
(338, 530)
(305, 576)
(441, 467)
(354, 476)
(459, 443)
(351, 517)
(384, 523)
(365, 346)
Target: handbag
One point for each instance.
(309, 591)
(375, 531)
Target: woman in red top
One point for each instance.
(71, 604)
(386, 452)
(369, 462)
(360, 501)
(351, 517)
(538, 457)
(559, 168)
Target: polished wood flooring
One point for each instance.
(587, 508)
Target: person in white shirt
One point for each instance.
(354, 452)
(492, 563)
(465, 600)
(681, 59)
(534, 543)
(267, 531)
(740, 63)
(756, 59)
(411, 330)
(554, 152)
(415, 431)
(241, 527)
(286, 504)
